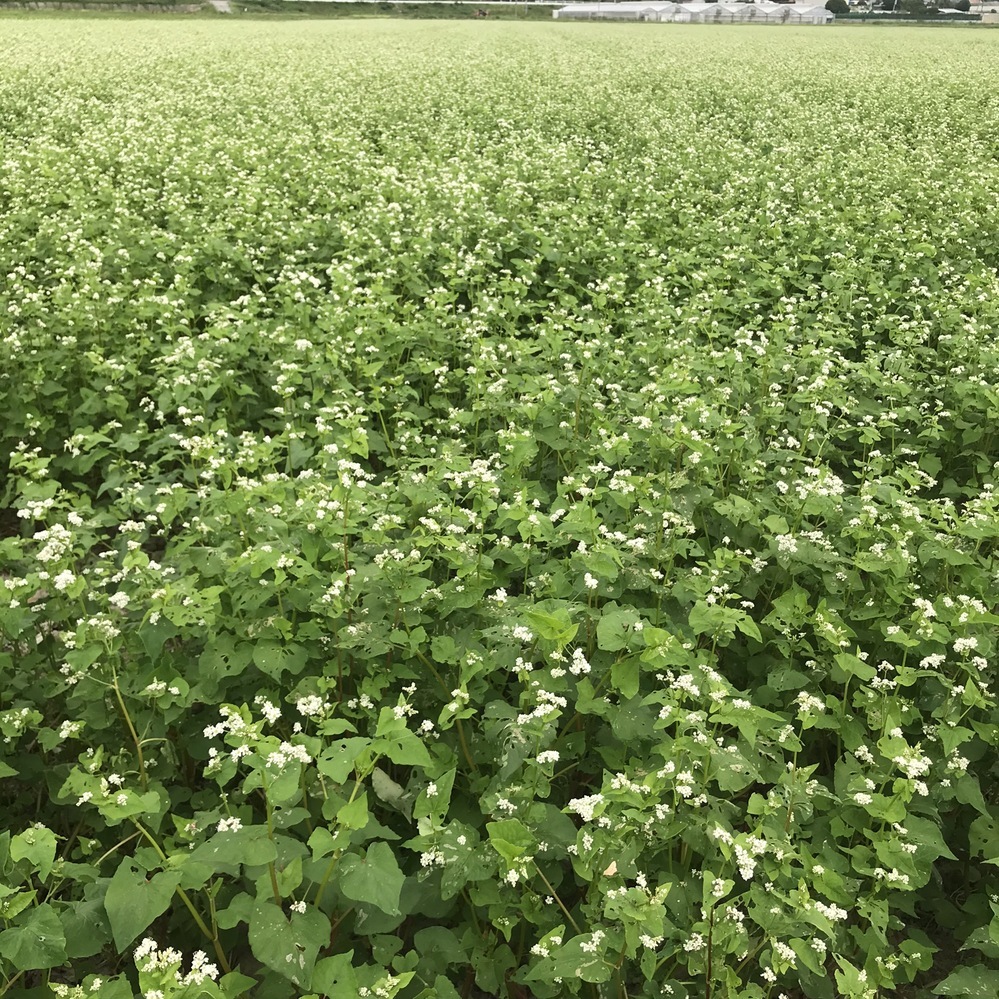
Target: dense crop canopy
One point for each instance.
(497, 510)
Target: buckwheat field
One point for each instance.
(498, 510)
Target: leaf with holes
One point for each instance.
(289, 947)
(38, 943)
(133, 901)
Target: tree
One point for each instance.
(962, 5)
(837, 6)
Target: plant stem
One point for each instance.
(143, 779)
(185, 898)
(336, 856)
(10, 984)
(464, 746)
(104, 856)
(385, 434)
(749, 957)
(707, 970)
(461, 728)
(554, 895)
(270, 835)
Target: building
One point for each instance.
(697, 12)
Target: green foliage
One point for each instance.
(133, 901)
(463, 533)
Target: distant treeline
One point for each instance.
(322, 8)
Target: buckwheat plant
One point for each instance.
(497, 512)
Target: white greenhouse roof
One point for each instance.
(691, 6)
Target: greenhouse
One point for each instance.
(697, 12)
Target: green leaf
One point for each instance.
(510, 838)
(405, 748)
(354, 815)
(625, 676)
(554, 626)
(274, 658)
(86, 927)
(155, 636)
(36, 845)
(983, 837)
(225, 851)
(438, 949)
(335, 978)
(969, 792)
(734, 772)
(376, 879)
(239, 910)
(776, 524)
(435, 806)
(441, 989)
(116, 988)
(289, 947)
(710, 619)
(849, 981)
(745, 624)
(16, 902)
(850, 665)
(471, 863)
(149, 804)
(571, 960)
(806, 954)
(616, 627)
(978, 982)
(236, 984)
(932, 550)
(337, 762)
(790, 609)
(322, 842)
(132, 901)
(926, 833)
(444, 649)
(222, 658)
(38, 943)
(388, 790)
(737, 509)
(787, 679)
